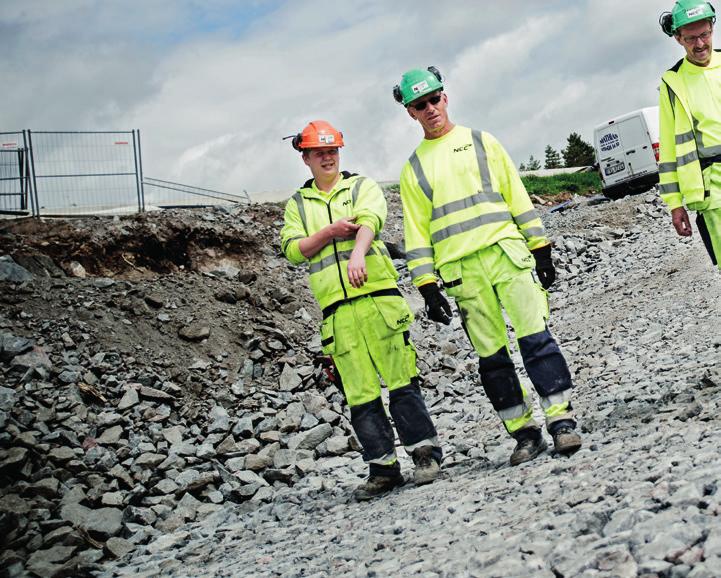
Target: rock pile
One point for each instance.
(128, 408)
(639, 499)
(182, 420)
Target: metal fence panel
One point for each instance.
(169, 194)
(15, 189)
(78, 173)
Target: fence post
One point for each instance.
(27, 184)
(137, 172)
(36, 208)
(140, 167)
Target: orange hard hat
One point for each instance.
(318, 134)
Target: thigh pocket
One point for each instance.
(517, 251)
(452, 277)
(333, 340)
(396, 315)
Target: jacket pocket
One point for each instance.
(517, 251)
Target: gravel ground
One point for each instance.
(636, 310)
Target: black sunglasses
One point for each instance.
(434, 100)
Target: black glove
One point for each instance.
(437, 306)
(544, 266)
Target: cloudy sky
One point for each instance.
(213, 85)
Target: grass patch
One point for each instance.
(575, 183)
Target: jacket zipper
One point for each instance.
(335, 252)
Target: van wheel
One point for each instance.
(617, 192)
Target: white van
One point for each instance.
(627, 152)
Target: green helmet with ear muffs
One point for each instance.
(417, 83)
(686, 12)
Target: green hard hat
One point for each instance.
(416, 83)
(686, 12)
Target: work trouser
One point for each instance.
(368, 336)
(501, 276)
(709, 226)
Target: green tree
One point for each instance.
(532, 164)
(578, 153)
(553, 158)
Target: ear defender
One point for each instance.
(666, 23)
(297, 139)
(397, 94)
(437, 73)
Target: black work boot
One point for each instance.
(530, 444)
(565, 439)
(427, 468)
(382, 479)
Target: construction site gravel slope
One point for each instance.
(635, 309)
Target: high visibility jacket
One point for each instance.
(309, 210)
(690, 135)
(462, 193)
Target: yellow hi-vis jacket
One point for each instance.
(309, 210)
(462, 193)
(690, 135)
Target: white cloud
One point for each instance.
(214, 86)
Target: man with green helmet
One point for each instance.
(690, 125)
(468, 217)
(333, 223)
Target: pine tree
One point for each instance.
(578, 153)
(532, 164)
(553, 158)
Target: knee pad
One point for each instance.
(544, 363)
(410, 414)
(373, 429)
(499, 380)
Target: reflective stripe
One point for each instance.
(526, 217)
(382, 250)
(685, 137)
(422, 270)
(317, 266)
(289, 241)
(419, 253)
(534, 232)
(356, 188)
(482, 161)
(301, 210)
(558, 398)
(704, 152)
(514, 412)
(469, 225)
(687, 159)
(459, 205)
(668, 188)
(386, 460)
(421, 176)
(708, 152)
(666, 167)
(433, 442)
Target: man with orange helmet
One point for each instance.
(333, 223)
(690, 125)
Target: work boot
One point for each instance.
(427, 468)
(565, 440)
(530, 444)
(377, 485)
